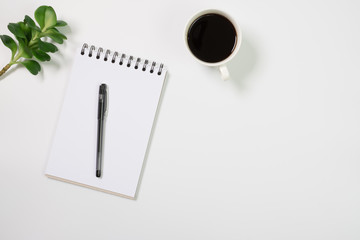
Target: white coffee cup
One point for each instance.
(221, 65)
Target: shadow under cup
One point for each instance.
(212, 38)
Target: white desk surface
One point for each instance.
(272, 153)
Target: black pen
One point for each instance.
(102, 108)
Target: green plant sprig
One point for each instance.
(31, 39)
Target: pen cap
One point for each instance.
(102, 106)
(102, 89)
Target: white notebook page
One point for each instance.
(133, 97)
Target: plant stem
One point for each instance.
(12, 62)
(34, 39)
(32, 42)
(16, 58)
(4, 69)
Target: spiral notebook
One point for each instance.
(134, 90)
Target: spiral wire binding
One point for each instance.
(145, 64)
(100, 50)
(152, 67)
(160, 69)
(106, 55)
(114, 56)
(129, 61)
(92, 48)
(122, 58)
(83, 48)
(137, 63)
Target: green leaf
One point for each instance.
(47, 47)
(50, 18)
(41, 55)
(24, 49)
(32, 65)
(10, 43)
(34, 34)
(60, 23)
(15, 29)
(55, 35)
(55, 31)
(26, 30)
(40, 16)
(46, 17)
(28, 20)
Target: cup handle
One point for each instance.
(224, 72)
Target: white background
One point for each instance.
(272, 153)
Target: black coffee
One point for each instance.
(212, 38)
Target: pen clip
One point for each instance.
(104, 93)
